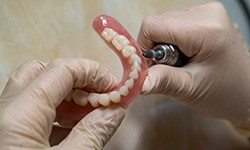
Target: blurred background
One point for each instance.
(45, 30)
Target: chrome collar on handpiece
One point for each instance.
(166, 54)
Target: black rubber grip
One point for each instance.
(182, 59)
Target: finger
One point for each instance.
(163, 79)
(23, 75)
(167, 28)
(184, 28)
(61, 75)
(28, 71)
(94, 130)
(48, 90)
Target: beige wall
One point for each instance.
(45, 29)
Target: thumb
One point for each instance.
(172, 81)
(95, 129)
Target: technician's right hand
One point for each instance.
(216, 80)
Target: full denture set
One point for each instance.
(134, 67)
(122, 45)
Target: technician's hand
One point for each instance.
(29, 100)
(216, 80)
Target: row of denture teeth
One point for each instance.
(121, 43)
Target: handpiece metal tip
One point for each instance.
(149, 54)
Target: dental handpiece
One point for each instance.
(166, 54)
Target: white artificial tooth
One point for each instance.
(104, 99)
(93, 99)
(80, 97)
(128, 51)
(132, 48)
(108, 34)
(129, 83)
(69, 96)
(134, 74)
(124, 90)
(135, 57)
(120, 42)
(115, 97)
(136, 66)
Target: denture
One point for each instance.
(134, 72)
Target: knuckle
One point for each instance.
(213, 27)
(147, 22)
(218, 8)
(58, 62)
(61, 63)
(30, 64)
(146, 31)
(217, 5)
(76, 63)
(27, 71)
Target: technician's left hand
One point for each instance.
(29, 100)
